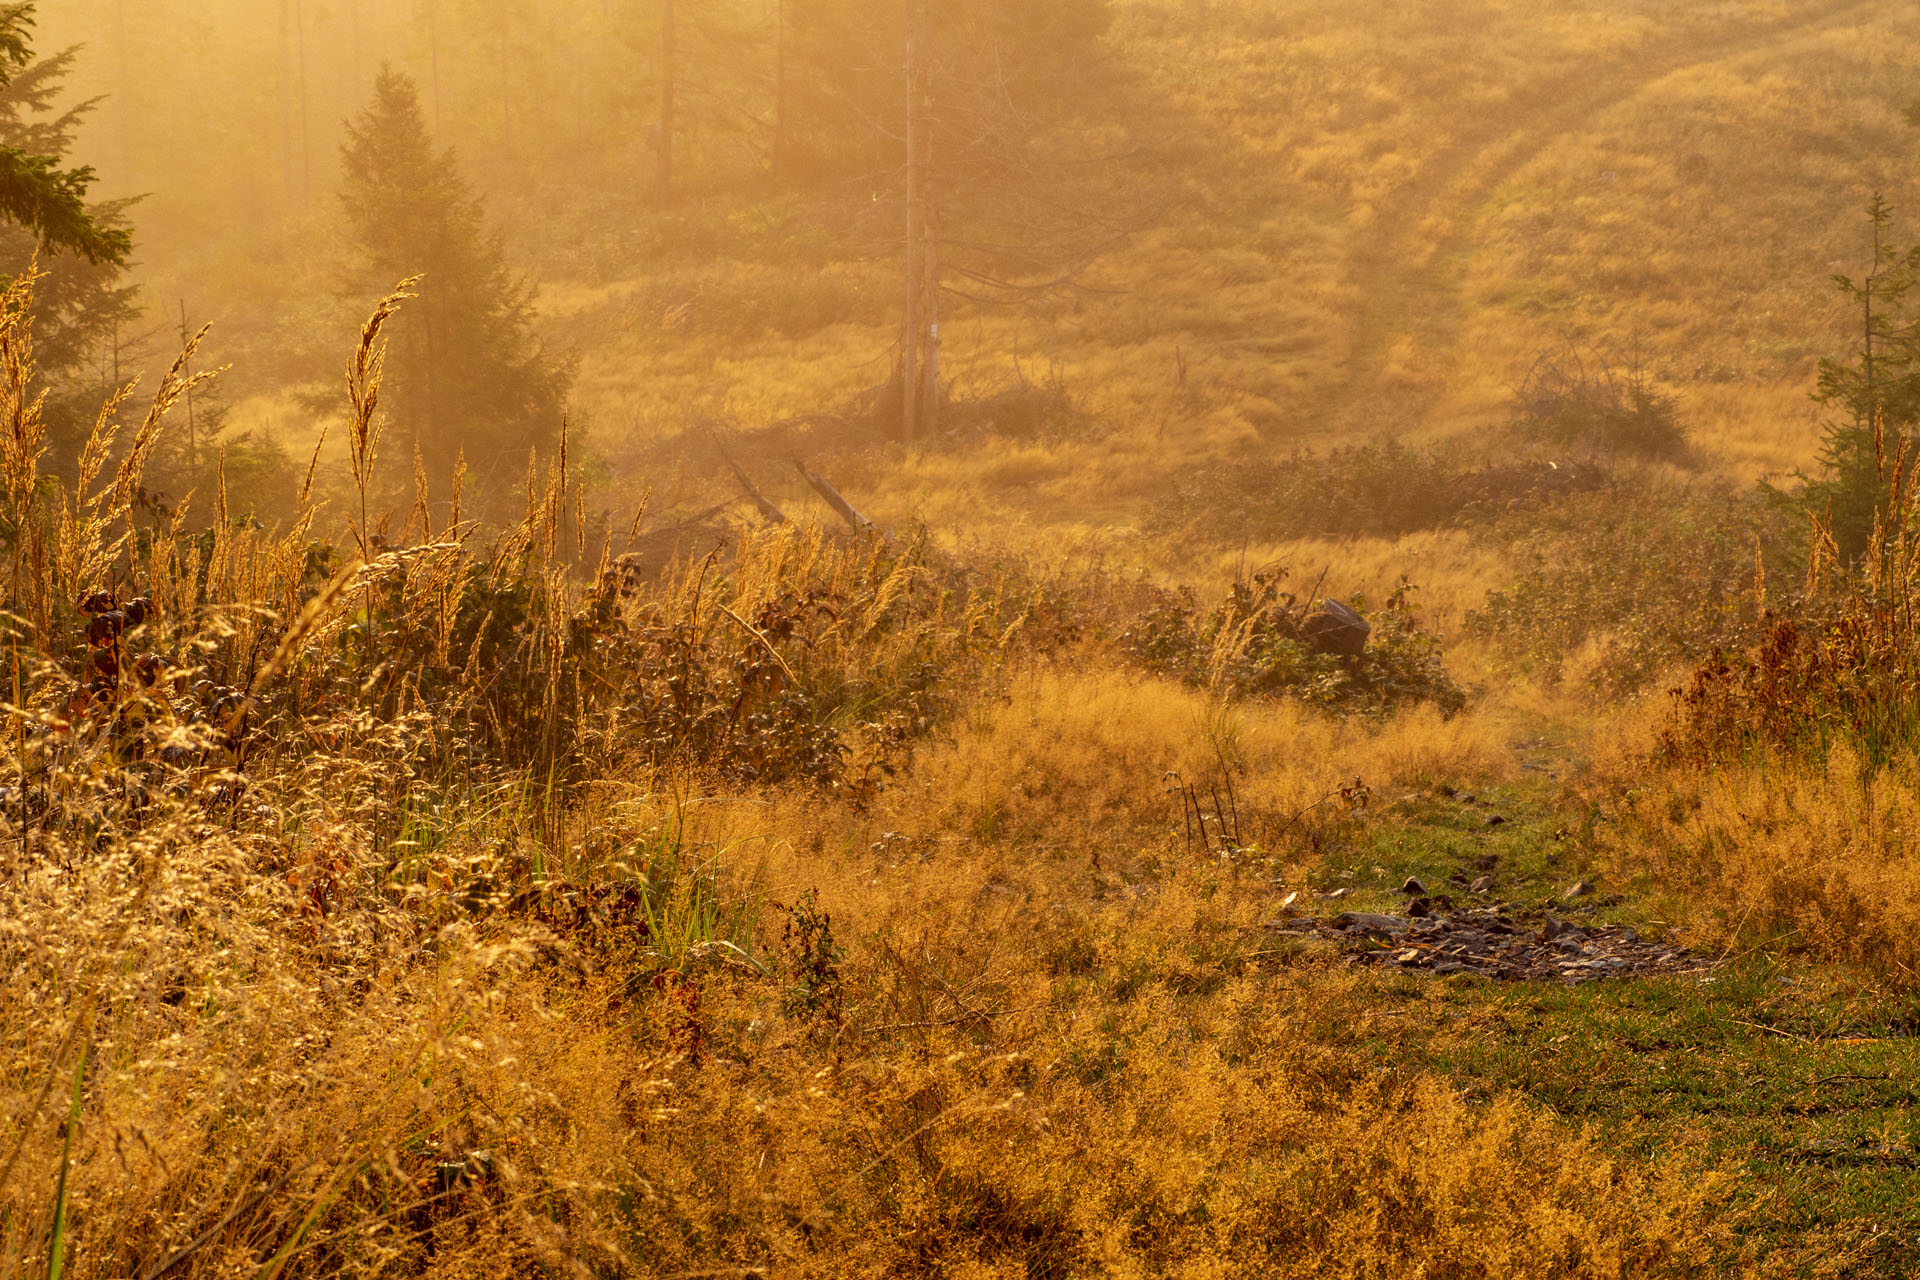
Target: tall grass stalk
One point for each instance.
(57, 1243)
(365, 372)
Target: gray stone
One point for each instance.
(1366, 922)
(1337, 629)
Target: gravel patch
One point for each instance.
(1514, 945)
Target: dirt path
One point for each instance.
(1532, 944)
(1405, 272)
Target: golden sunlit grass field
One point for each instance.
(1374, 224)
(916, 903)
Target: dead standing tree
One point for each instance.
(920, 340)
(1004, 200)
(960, 138)
(669, 78)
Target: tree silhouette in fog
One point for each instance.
(81, 247)
(466, 376)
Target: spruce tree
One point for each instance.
(81, 247)
(466, 376)
(36, 192)
(1875, 395)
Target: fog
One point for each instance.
(786, 141)
(959, 638)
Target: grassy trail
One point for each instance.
(1791, 1074)
(1405, 277)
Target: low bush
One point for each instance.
(1837, 660)
(1361, 491)
(1571, 400)
(1254, 643)
(1777, 806)
(1631, 583)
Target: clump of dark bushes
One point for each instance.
(1644, 581)
(1585, 402)
(1384, 490)
(1257, 642)
(1834, 658)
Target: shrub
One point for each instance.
(1640, 581)
(1361, 491)
(1251, 644)
(1785, 768)
(1839, 658)
(1573, 401)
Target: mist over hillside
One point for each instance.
(1310, 229)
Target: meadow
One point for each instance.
(382, 893)
(1369, 228)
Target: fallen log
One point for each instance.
(833, 499)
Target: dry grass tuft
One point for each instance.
(1776, 807)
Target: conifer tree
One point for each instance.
(36, 193)
(1876, 395)
(467, 376)
(81, 248)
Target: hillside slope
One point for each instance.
(1374, 222)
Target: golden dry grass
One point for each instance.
(359, 1023)
(1040, 1064)
(1814, 858)
(343, 994)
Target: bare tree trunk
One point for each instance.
(124, 95)
(505, 59)
(306, 143)
(777, 158)
(286, 103)
(929, 295)
(910, 373)
(669, 70)
(433, 60)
